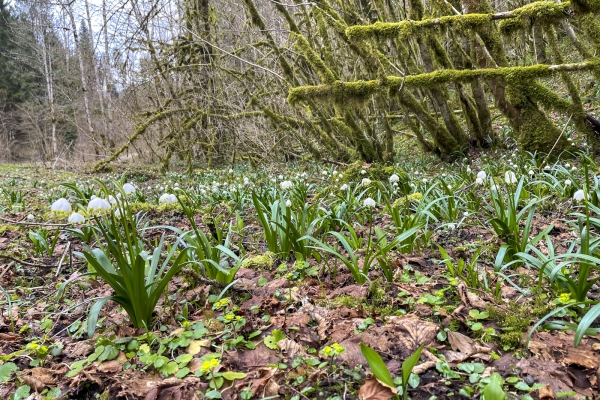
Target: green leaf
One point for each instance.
(76, 367)
(110, 353)
(230, 376)
(182, 372)
(22, 392)
(262, 282)
(213, 394)
(183, 359)
(275, 336)
(493, 390)
(523, 386)
(377, 365)
(409, 364)
(93, 317)
(587, 320)
(169, 369)
(6, 370)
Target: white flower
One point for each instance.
(362, 172)
(579, 195)
(340, 176)
(531, 172)
(288, 203)
(177, 185)
(61, 205)
(325, 173)
(567, 165)
(286, 185)
(468, 170)
(424, 180)
(482, 175)
(510, 177)
(231, 171)
(76, 218)
(479, 181)
(344, 187)
(547, 168)
(451, 226)
(111, 199)
(466, 213)
(98, 204)
(334, 173)
(570, 139)
(128, 188)
(369, 202)
(30, 217)
(365, 182)
(394, 178)
(167, 198)
(568, 182)
(280, 177)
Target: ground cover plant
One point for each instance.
(471, 279)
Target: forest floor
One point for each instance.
(271, 334)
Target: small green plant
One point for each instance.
(137, 277)
(43, 244)
(381, 372)
(507, 218)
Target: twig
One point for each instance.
(10, 221)
(24, 262)
(62, 259)
(341, 164)
(10, 264)
(559, 136)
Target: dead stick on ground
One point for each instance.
(5, 270)
(10, 221)
(62, 258)
(24, 262)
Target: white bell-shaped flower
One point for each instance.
(288, 203)
(365, 182)
(579, 195)
(344, 187)
(394, 178)
(482, 175)
(369, 202)
(128, 189)
(76, 218)
(98, 205)
(510, 178)
(61, 205)
(286, 185)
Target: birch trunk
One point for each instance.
(84, 86)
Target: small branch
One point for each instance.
(341, 164)
(24, 262)
(10, 221)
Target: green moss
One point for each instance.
(377, 172)
(413, 198)
(359, 91)
(539, 12)
(516, 321)
(405, 29)
(263, 261)
(302, 45)
(8, 228)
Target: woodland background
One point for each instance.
(214, 81)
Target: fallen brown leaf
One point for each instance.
(373, 389)
(546, 393)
